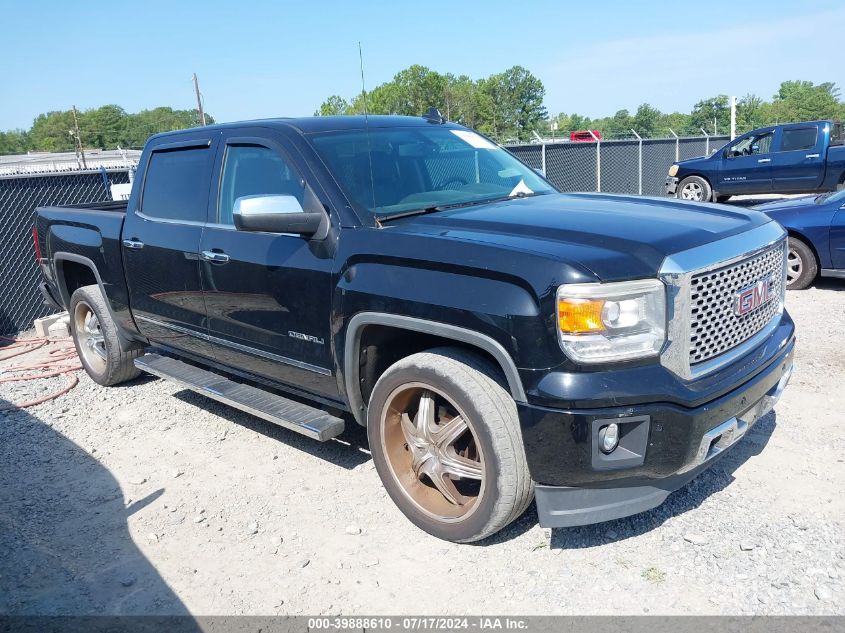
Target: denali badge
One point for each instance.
(305, 337)
(753, 297)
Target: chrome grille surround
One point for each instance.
(701, 342)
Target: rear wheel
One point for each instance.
(446, 442)
(95, 337)
(694, 188)
(801, 265)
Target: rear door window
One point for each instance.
(176, 184)
(797, 139)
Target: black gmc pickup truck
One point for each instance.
(499, 340)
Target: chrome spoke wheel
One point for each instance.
(794, 266)
(692, 191)
(90, 338)
(432, 452)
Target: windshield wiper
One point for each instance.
(459, 205)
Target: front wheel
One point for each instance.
(694, 188)
(446, 442)
(801, 265)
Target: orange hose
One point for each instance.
(59, 363)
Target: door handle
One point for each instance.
(811, 156)
(764, 160)
(133, 244)
(215, 257)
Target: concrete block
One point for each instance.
(43, 324)
(59, 329)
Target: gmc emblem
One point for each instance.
(749, 299)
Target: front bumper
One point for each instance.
(671, 185)
(576, 485)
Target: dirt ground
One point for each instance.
(147, 498)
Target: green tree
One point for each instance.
(52, 132)
(516, 103)
(647, 120)
(14, 142)
(714, 115)
(677, 122)
(752, 112)
(805, 101)
(104, 126)
(333, 105)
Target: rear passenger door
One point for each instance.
(161, 239)
(268, 295)
(798, 163)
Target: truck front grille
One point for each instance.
(715, 326)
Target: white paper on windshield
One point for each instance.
(479, 142)
(521, 187)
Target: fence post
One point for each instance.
(677, 145)
(706, 142)
(640, 169)
(598, 161)
(543, 155)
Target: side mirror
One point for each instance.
(275, 214)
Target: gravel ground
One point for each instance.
(148, 498)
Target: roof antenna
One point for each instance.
(433, 116)
(367, 126)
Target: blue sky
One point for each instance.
(262, 59)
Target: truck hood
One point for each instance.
(613, 236)
(787, 203)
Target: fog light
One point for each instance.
(609, 438)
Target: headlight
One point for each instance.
(673, 171)
(599, 323)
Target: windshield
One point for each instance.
(839, 196)
(395, 171)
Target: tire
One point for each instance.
(801, 265)
(456, 384)
(721, 199)
(695, 189)
(95, 337)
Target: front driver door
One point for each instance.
(268, 295)
(747, 165)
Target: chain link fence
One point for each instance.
(20, 300)
(618, 166)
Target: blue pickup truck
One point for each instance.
(794, 158)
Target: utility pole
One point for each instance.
(733, 118)
(78, 138)
(199, 100)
